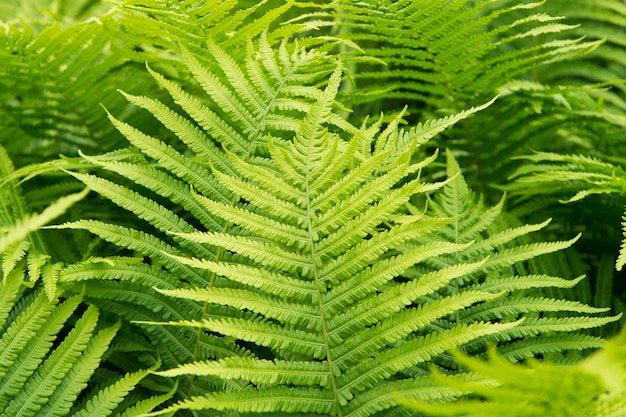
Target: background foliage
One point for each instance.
(346, 208)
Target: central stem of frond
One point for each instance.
(320, 292)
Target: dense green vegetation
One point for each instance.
(340, 208)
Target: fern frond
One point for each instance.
(286, 82)
(266, 305)
(16, 335)
(571, 177)
(13, 254)
(77, 377)
(143, 207)
(147, 405)
(526, 282)
(161, 183)
(546, 345)
(537, 389)
(473, 221)
(33, 222)
(339, 316)
(441, 53)
(601, 21)
(54, 75)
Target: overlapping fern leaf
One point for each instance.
(281, 252)
(571, 178)
(568, 106)
(593, 387)
(51, 345)
(445, 54)
(505, 249)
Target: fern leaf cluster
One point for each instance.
(251, 215)
(301, 260)
(40, 83)
(48, 362)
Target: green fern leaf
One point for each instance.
(287, 266)
(107, 398)
(145, 406)
(32, 354)
(17, 334)
(36, 392)
(44, 363)
(29, 224)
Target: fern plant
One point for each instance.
(266, 249)
(48, 362)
